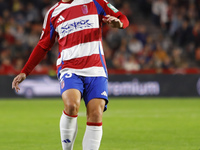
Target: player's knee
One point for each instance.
(95, 115)
(71, 99)
(71, 108)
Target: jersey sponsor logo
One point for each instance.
(84, 9)
(112, 7)
(104, 93)
(76, 25)
(61, 18)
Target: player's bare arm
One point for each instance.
(17, 80)
(113, 21)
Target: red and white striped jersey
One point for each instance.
(77, 27)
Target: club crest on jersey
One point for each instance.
(62, 84)
(84, 9)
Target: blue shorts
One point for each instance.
(90, 87)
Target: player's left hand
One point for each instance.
(113, 21)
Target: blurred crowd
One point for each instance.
(168, 39)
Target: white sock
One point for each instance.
(92, 137)
(68, 131)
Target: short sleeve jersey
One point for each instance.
(77, 27)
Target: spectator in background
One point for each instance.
(118, 60)
(19, 63)
(192, 13)
(185, 33)
(135, 46)
(32, 13)
(120, 56)
(177, 59)
(189, 53)
(131, 64)
(145, 57)
(130, 32)
(176, 23)
(160, 56)
(5, 58)
(159, 11)
(141, 34)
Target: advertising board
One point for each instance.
(139, 85)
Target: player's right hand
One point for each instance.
(17, 80)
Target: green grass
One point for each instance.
(129, 124)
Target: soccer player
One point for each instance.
(81, 67)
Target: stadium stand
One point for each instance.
(163, 36)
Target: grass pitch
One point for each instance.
(128, 124)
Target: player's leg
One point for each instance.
(93, 133)
(95, 108)
(96, 99)
(68, 120)
(71, 89)
(71, 99)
